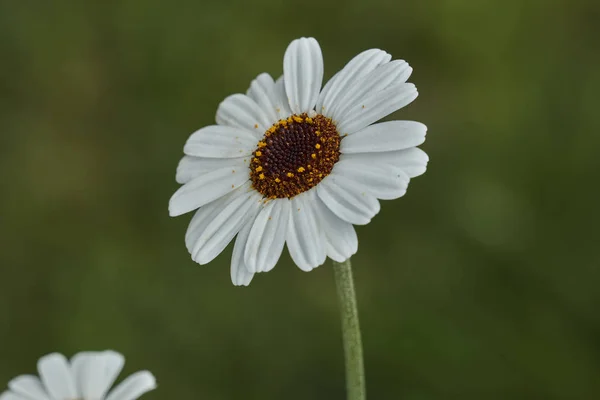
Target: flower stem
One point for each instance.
(355, 371)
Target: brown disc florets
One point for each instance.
(294, 156)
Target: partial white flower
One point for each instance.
(291, 163)
(88, 376)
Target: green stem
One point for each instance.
(355, 371)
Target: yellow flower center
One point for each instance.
(294, 156)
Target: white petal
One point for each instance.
(191, 167)
(80, 369)
(95, 372)
(413, 161)
(28, 386)
(8, 395)
(240, 276)
(56, 375)
(134, 386)
(261, 91)
(267, 237)
(326, 89)
(400, 72)
(385, 136)
(376, 80)
(347, 199)
(340, 235)
(218, 141)
(205, 215)
(206, 188)
(382, 181)
(260, 86)
(240, 111)
(280, 99)
(376, 106)
(305, 235)
(224, 224)
(352, 72)
(303, 74)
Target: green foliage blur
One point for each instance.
(483, 282)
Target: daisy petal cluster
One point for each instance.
(293, 163)
(88, 376)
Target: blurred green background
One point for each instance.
(481, 283)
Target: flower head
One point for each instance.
(88, 376)
(291, 163)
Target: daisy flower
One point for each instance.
(291, 163)
(88, 376)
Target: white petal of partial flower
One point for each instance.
(261, 91)
(413, 161)
(134, 386)
(267, 237)
(28, 386)
(340, 235)
(305, 235)
(206, 188)
(378, 79)
(113, 364)
(280, 98)
(240, 276)
(384, 182)
(56, 375)
(225, 224)
(352, 72)
(8, 395)
(348, 199)
(303, 74)
(240, 111)
(385, 136)
(80, 366)
(376, 106)
(218, 141)
(191, 167)
(95, 372)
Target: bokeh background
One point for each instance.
(481, 283)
